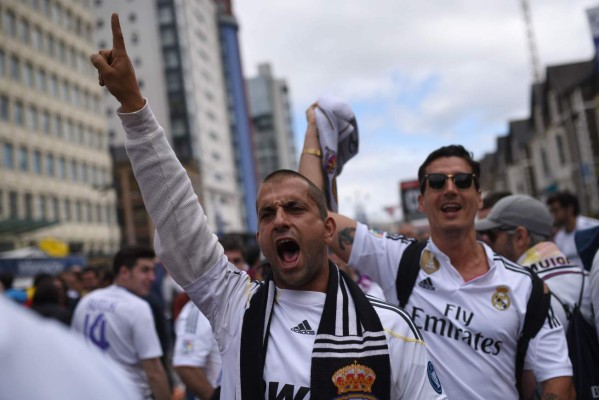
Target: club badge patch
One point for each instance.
(428, 262)
(354, 381)
(187, 346)
(500, 299)
(433, 378)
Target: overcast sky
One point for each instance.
(418, 74)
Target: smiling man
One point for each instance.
(469, 303)
(119, 322)
(307, 333)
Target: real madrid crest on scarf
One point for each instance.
(428, 262)
(354, 382)
(500, 299)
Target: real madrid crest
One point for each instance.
(354, 381)
(501, 299)
(428, 262)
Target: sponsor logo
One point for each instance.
(428, 262)
(427, 283)
(500, 298)
(433, 378)
(304, 328)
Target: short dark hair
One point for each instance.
(493, 197)
(231, 242)
(454, 150)
(565, 200)
(314, 192)
(95, 271)
(128, 256)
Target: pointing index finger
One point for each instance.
(118, 43)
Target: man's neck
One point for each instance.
(570, 225)
(466, 255)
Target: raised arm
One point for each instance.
(311, 167)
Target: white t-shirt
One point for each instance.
(565, 240)
(195, 345)
(121, 324)
(471, 328)
(563, 278)
(223, 294)
(41, 359)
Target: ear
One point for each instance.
(480, 200)
(420, 203)
(257, 236)
(123, 271)
(521, 238)
(330, 228)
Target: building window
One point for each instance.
(13, 204)
(58, 126)
(8, 160)
(545, 162)
(19, 114)
(42, 83)
(37, 39)
(45, 122)
(9, 23)
(2, 63)
(29, 78)
(4, 113)
(32, 118)
(67, 214)
(41, 205)
(62, 168)
(132, 17)
(561, 151)
(24, 31)
(74, 171)
(55, 209)
(37, 162)
(28, 206)
(15, 68)
(50, 168)
(23, 159)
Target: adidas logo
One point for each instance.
(427, 284)
(304, 328)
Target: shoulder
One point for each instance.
(511, 269)
(396, 321)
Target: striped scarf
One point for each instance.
(350, 358)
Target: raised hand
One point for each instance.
(116, 72)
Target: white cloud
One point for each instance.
(419, 72)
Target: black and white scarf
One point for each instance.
(350, 355)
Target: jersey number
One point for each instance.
(96, 332)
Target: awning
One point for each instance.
(17, 226)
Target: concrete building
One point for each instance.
(176, 51)
(557, 148)
(55, 169)
(271, 115)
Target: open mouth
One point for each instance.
(288, 251)
(451, 208)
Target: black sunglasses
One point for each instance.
(461, 180)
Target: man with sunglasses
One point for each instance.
(469, 303)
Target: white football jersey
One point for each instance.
(122, 325)
(292, 333)
(471, 328)
(195, 345)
